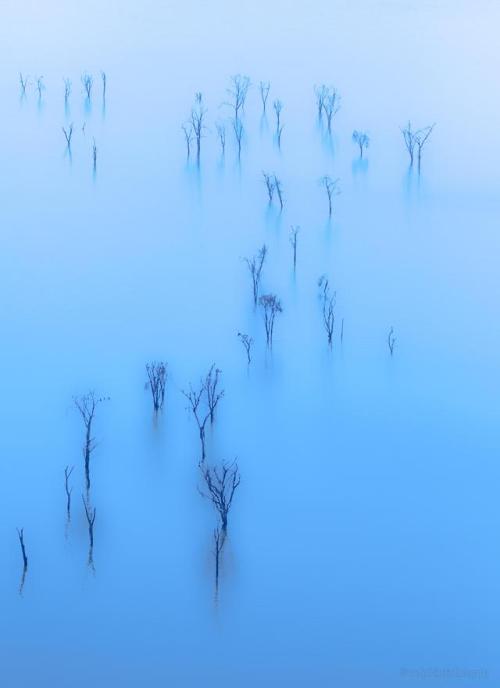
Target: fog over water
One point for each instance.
(363, 547)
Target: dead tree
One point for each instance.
(362, 139)
(67, 473)
(220, 485)
(321, 93)
(20, 535)
(67, 89)
(278, 136)
(331, 188)
(104, 84)
(188, 137)
(40, 87)
(94, 156)
(68, 133)
(410, 141)
(87, 406)
(255, 265)
(238, 132)
(203, 402)
(329, 316)
(265, 87)
(391, 340)
(269, 181)
(324, 287)
(421, 137)
(271, 306)
(278, 107)
(23, 80)
(247, 342)
(198, 113)
(221, 133)
(90, 514)
(331, 106)
(219, 540)
(88, 82)
(293, 240)
(238, 92)
(157, 380)
(279, 190)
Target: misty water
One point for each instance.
(363, 545)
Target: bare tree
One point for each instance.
(94, 155)
(265, 87)
(40, 86)
(269, 181)
(271, 306)
(87, 405)
(220, 485)
(20, 535)
(203, 402)
(238, 132)
(255, 265)
(247, 342)
(88, 82)
(157, 379)
(409, 139)
(278, 136)
(198, 113)
(67, 473)
(188, 136)
(238, 92)
(90, 514)
(67, 89)
(221, 133)
(391, 340)
(331, 188)
(219, 540)
(362, 139)
(68, 133)
(23, 80)
(293, 240)
(329, 316)
(278, 107)
(324, 287)
(421, 137)
(331, 105)
(321, 94)
(279, 190)
(104, 83)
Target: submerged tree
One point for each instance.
(67, 89)
(271, 306)
(220, 485)
(221, 133)
(198, 113)
(238, 92)
(219, 540)
(329, 315)
(90, 515)
(67, 474)
(40, 86)
(157, 380)
(68, 134)
(87, 405)
(87, 82)
(188, 137)
(20, 535)
(321, 93)
(331, 188)
(265, 87)
(238, 132)
(279, 190)
(23, 80)
(94, 156)
(421, 137)
(391, 340)
(278, 107)
(247, 342)
(203, 403)
(104, 84)
(269, 182)
(293, 240)
(255, 265)
(331, 105)
(362, 139)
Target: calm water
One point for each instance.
(364, 538)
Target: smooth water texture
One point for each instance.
(363, 543)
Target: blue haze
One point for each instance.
(364, 538)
